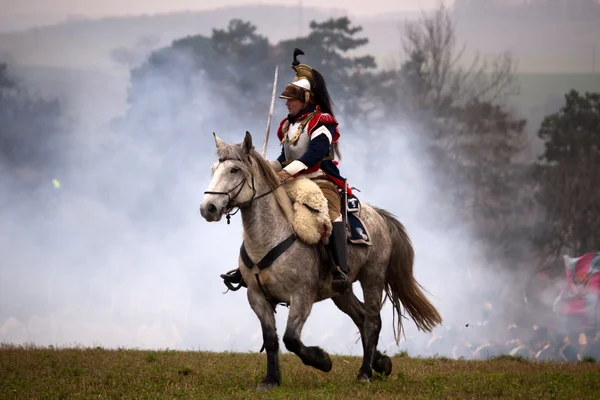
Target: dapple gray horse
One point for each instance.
(299, 274)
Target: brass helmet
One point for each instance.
(303, 86)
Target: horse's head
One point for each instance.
(234, 178)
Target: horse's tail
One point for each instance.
(401, 287)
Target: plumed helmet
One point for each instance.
(303, 85)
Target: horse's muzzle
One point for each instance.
(211, 211)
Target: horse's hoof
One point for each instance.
(266, 386)
(363, 378)
(383, 365)
(326, 364)
(314, 356)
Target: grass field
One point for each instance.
(47, 373)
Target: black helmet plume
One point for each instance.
(297, 52)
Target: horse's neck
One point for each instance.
(264, 224)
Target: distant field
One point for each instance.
(46, 373)
(536, 88)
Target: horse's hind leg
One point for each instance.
(371, 329)
(266, 314)
(313, 356)
(351, 305)
(354, 308)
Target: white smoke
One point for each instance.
(120, 257)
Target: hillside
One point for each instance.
(89, 43)
(541, 46)
(103, 374)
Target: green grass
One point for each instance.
(48, 373)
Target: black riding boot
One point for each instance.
(338, 246)
(233, 277)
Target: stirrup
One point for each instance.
(340, 282)
(227, 279)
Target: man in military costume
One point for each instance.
(309, 138)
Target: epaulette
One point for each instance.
(325, 119)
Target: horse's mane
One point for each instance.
(252, 163)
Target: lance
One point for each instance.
(264, 149)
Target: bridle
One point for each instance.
(240, 185)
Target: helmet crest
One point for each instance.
(301, 88)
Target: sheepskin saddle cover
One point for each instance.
(311, 221)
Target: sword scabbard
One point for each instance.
(345, 203)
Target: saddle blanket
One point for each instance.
(357, 232)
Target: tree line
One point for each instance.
(30, 131)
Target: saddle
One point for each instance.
(311, 221)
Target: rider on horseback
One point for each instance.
(309, 138)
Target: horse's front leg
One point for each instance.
(265, 313)
(314, 356)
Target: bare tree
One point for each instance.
(461, 109)
(431, 41)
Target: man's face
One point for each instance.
(294, 106)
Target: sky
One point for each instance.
(27, 12)
(117, 7)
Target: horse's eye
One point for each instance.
(234, 170)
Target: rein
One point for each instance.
(274, 253)
(230, 199)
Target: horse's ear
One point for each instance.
(218, 142)
(247, 144)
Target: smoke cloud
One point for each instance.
(119, 255)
